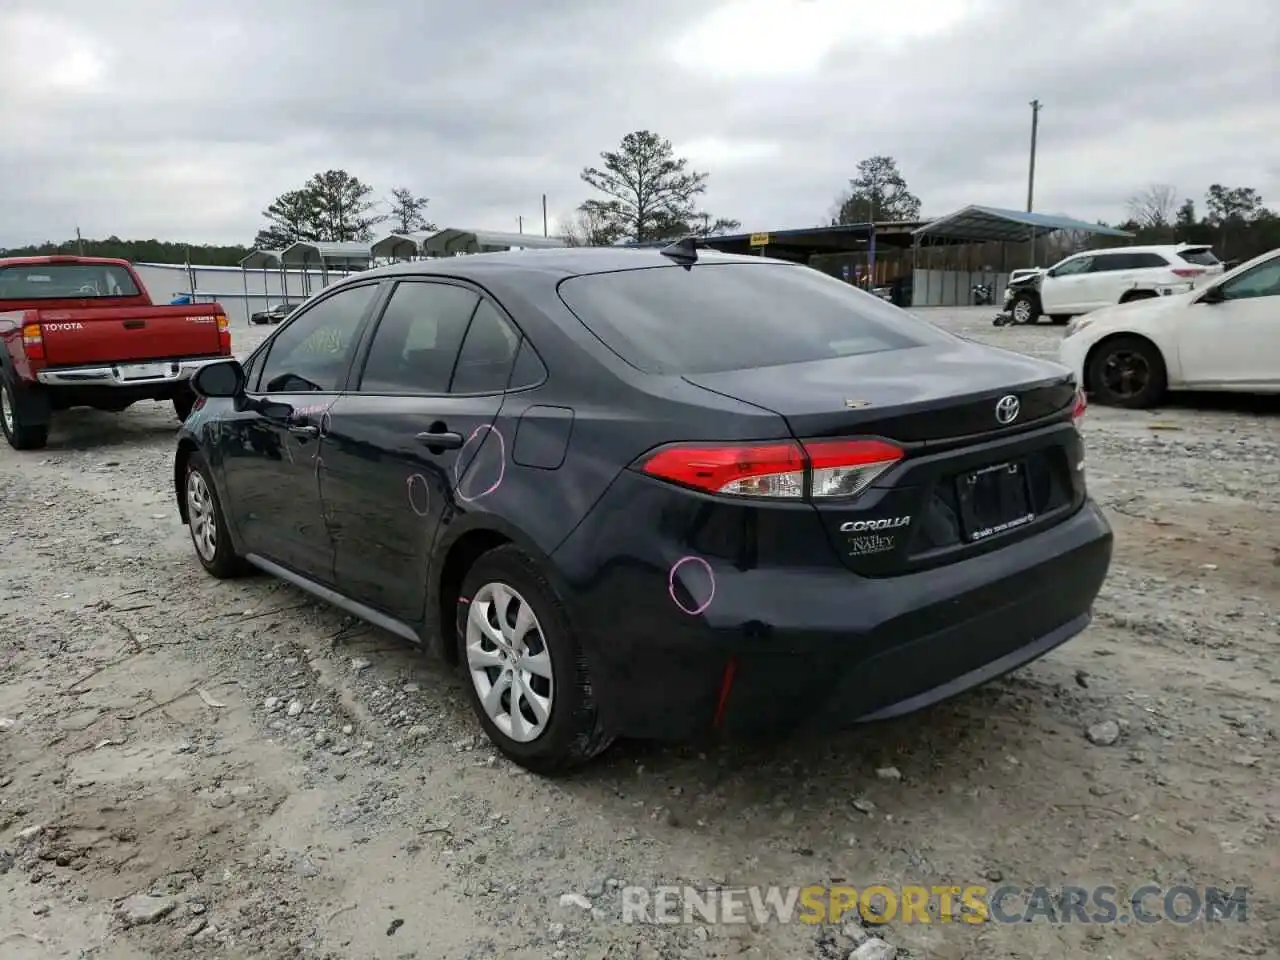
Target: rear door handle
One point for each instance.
(445, 440)
(304, 430)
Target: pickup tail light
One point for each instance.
(224, 333)
(785, 469)
(33, 341)
(1188, 271)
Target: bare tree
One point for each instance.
(587, 227)
(1154, 207)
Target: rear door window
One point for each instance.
(415, 346)
(488, 353)
(736, 316)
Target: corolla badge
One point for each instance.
(1007, 409)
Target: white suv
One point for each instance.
(1102, 278)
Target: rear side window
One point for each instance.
(1108, 262)
(66, 281)
(417, 340)
(713, 317)
(1200, 257)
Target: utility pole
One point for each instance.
(521, 219)
(79, 242)
(544, 215)
(1031, 172)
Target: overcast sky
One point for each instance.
(181, 120)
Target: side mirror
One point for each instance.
(226, 378)
(1214, 295)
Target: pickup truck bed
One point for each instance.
(83, 332)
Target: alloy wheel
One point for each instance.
(1126, 374)
(201, 517)
(508, 661)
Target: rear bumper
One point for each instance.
(787, 650)
(117, 375)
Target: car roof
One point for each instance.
(558, 262)
(1147, 248)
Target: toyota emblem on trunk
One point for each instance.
(1007, 409)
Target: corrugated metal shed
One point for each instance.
(260, 260)
(350, 255)
(975, 224)
(452, 241)
(399, 245)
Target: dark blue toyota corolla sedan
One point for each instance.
(653, 493)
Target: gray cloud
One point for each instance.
(176, 120)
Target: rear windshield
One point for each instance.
(719, 316)
(1200, 256)
(65, 281)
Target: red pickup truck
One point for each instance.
(82, 332)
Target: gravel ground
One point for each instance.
(192, 768)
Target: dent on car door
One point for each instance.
(270, 459)
(399, 444)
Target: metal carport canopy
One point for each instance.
(801, 242)
(260, 260)
(351, 255)
(975, 224)
(446, 243)
(400, 245)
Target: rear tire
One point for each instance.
(1024, 309)
(1127, 372)
(207, 523)
(15, 421)
(183, 401)
(505, 590)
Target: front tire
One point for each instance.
(1024, 309)
(1127, 372)
(15, 421)
(207, 523)
(526, 677)
(1061, 319)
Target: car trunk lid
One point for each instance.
(970, 478)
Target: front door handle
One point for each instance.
(304, 430)
(445, 440)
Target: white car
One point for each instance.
(1224, 335)
(1101, 278)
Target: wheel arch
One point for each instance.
(465, 541)
(1139, 294)
(186, 447)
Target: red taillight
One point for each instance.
(1187, 271)
(785, 469)
(752, 470)
(224, 333)
(33, 342)
(1082, 404)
